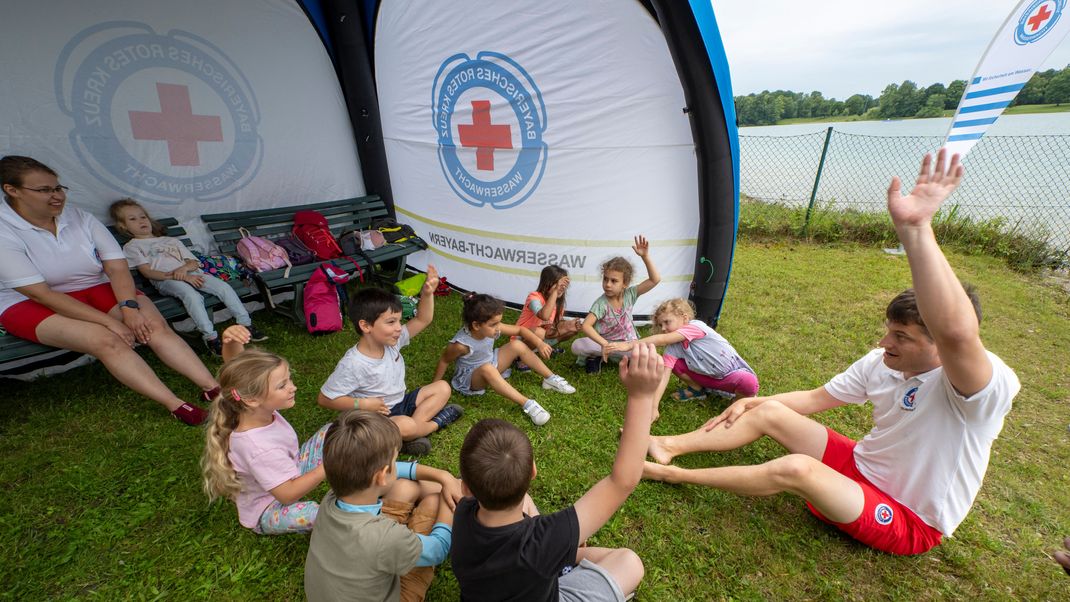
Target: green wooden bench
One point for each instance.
(14, 348)
(341, 215)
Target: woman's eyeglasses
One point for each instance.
(48, 190)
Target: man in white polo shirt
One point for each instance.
(938, 398)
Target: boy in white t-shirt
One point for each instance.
(939, 398)
(371, 374)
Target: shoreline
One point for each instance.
(1020, 110)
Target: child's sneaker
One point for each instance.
(508, 372)
(593, 364)
(538, 415)
(215, 346)
(448, 415)
(559, 384)
(255, 334)
(522, 367)
(417, 447)
(190, 414)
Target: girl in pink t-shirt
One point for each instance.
(701, 358)
(544, 309)
(251, 455)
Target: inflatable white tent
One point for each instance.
(510, 135)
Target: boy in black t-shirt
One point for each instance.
(504, 550)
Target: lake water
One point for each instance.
(1018, 172)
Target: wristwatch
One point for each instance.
(130, 303)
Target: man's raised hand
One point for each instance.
(929, 192)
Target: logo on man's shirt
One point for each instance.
(908, 399)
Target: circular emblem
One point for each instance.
(162, 117)
(908, 399)
(883, 513)
(489, 118)
(1037, 20)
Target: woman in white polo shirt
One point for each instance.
(65, 282)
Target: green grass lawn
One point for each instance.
(102, 492)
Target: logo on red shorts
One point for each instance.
(883, 514)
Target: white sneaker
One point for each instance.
(539, 416)
(555, 382)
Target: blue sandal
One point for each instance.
(688, 394)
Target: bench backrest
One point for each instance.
(270, 223)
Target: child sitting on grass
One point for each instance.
(251, 454)
(480, 365)
(700, 357)
(370, 542)
(503, 550)
(371, 374)
(175, 272)
(544, 309)
(608, 325)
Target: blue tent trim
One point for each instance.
(711, 37)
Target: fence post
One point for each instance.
(817, 181)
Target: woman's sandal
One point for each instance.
(688, 394)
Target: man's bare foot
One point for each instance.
(1062, 557)
(657, 472)
(658, 449)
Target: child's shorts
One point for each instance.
(462, 378)
(407, 405)
(588, 582)
(884, 524)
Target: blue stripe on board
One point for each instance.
(969, 123)
(988, 107)
(976, 80)
(994, 91)
(958, 137)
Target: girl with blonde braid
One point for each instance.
(251, 455)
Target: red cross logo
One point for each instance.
(176, 124)
(1037, 20)
(484, 136)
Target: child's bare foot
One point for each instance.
(657, 472)
(658, 449)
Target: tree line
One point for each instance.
(895, 102)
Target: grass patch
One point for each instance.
(102, 494)
(1023, 251)
(1016, 110)
(1026, 109)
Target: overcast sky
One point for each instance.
(843, 47)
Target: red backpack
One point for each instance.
(324, 298)
(311, 228)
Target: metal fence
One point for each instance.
(1024, 181)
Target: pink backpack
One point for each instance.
(261, 254)
(324, 299)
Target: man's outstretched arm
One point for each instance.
(942, 302)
